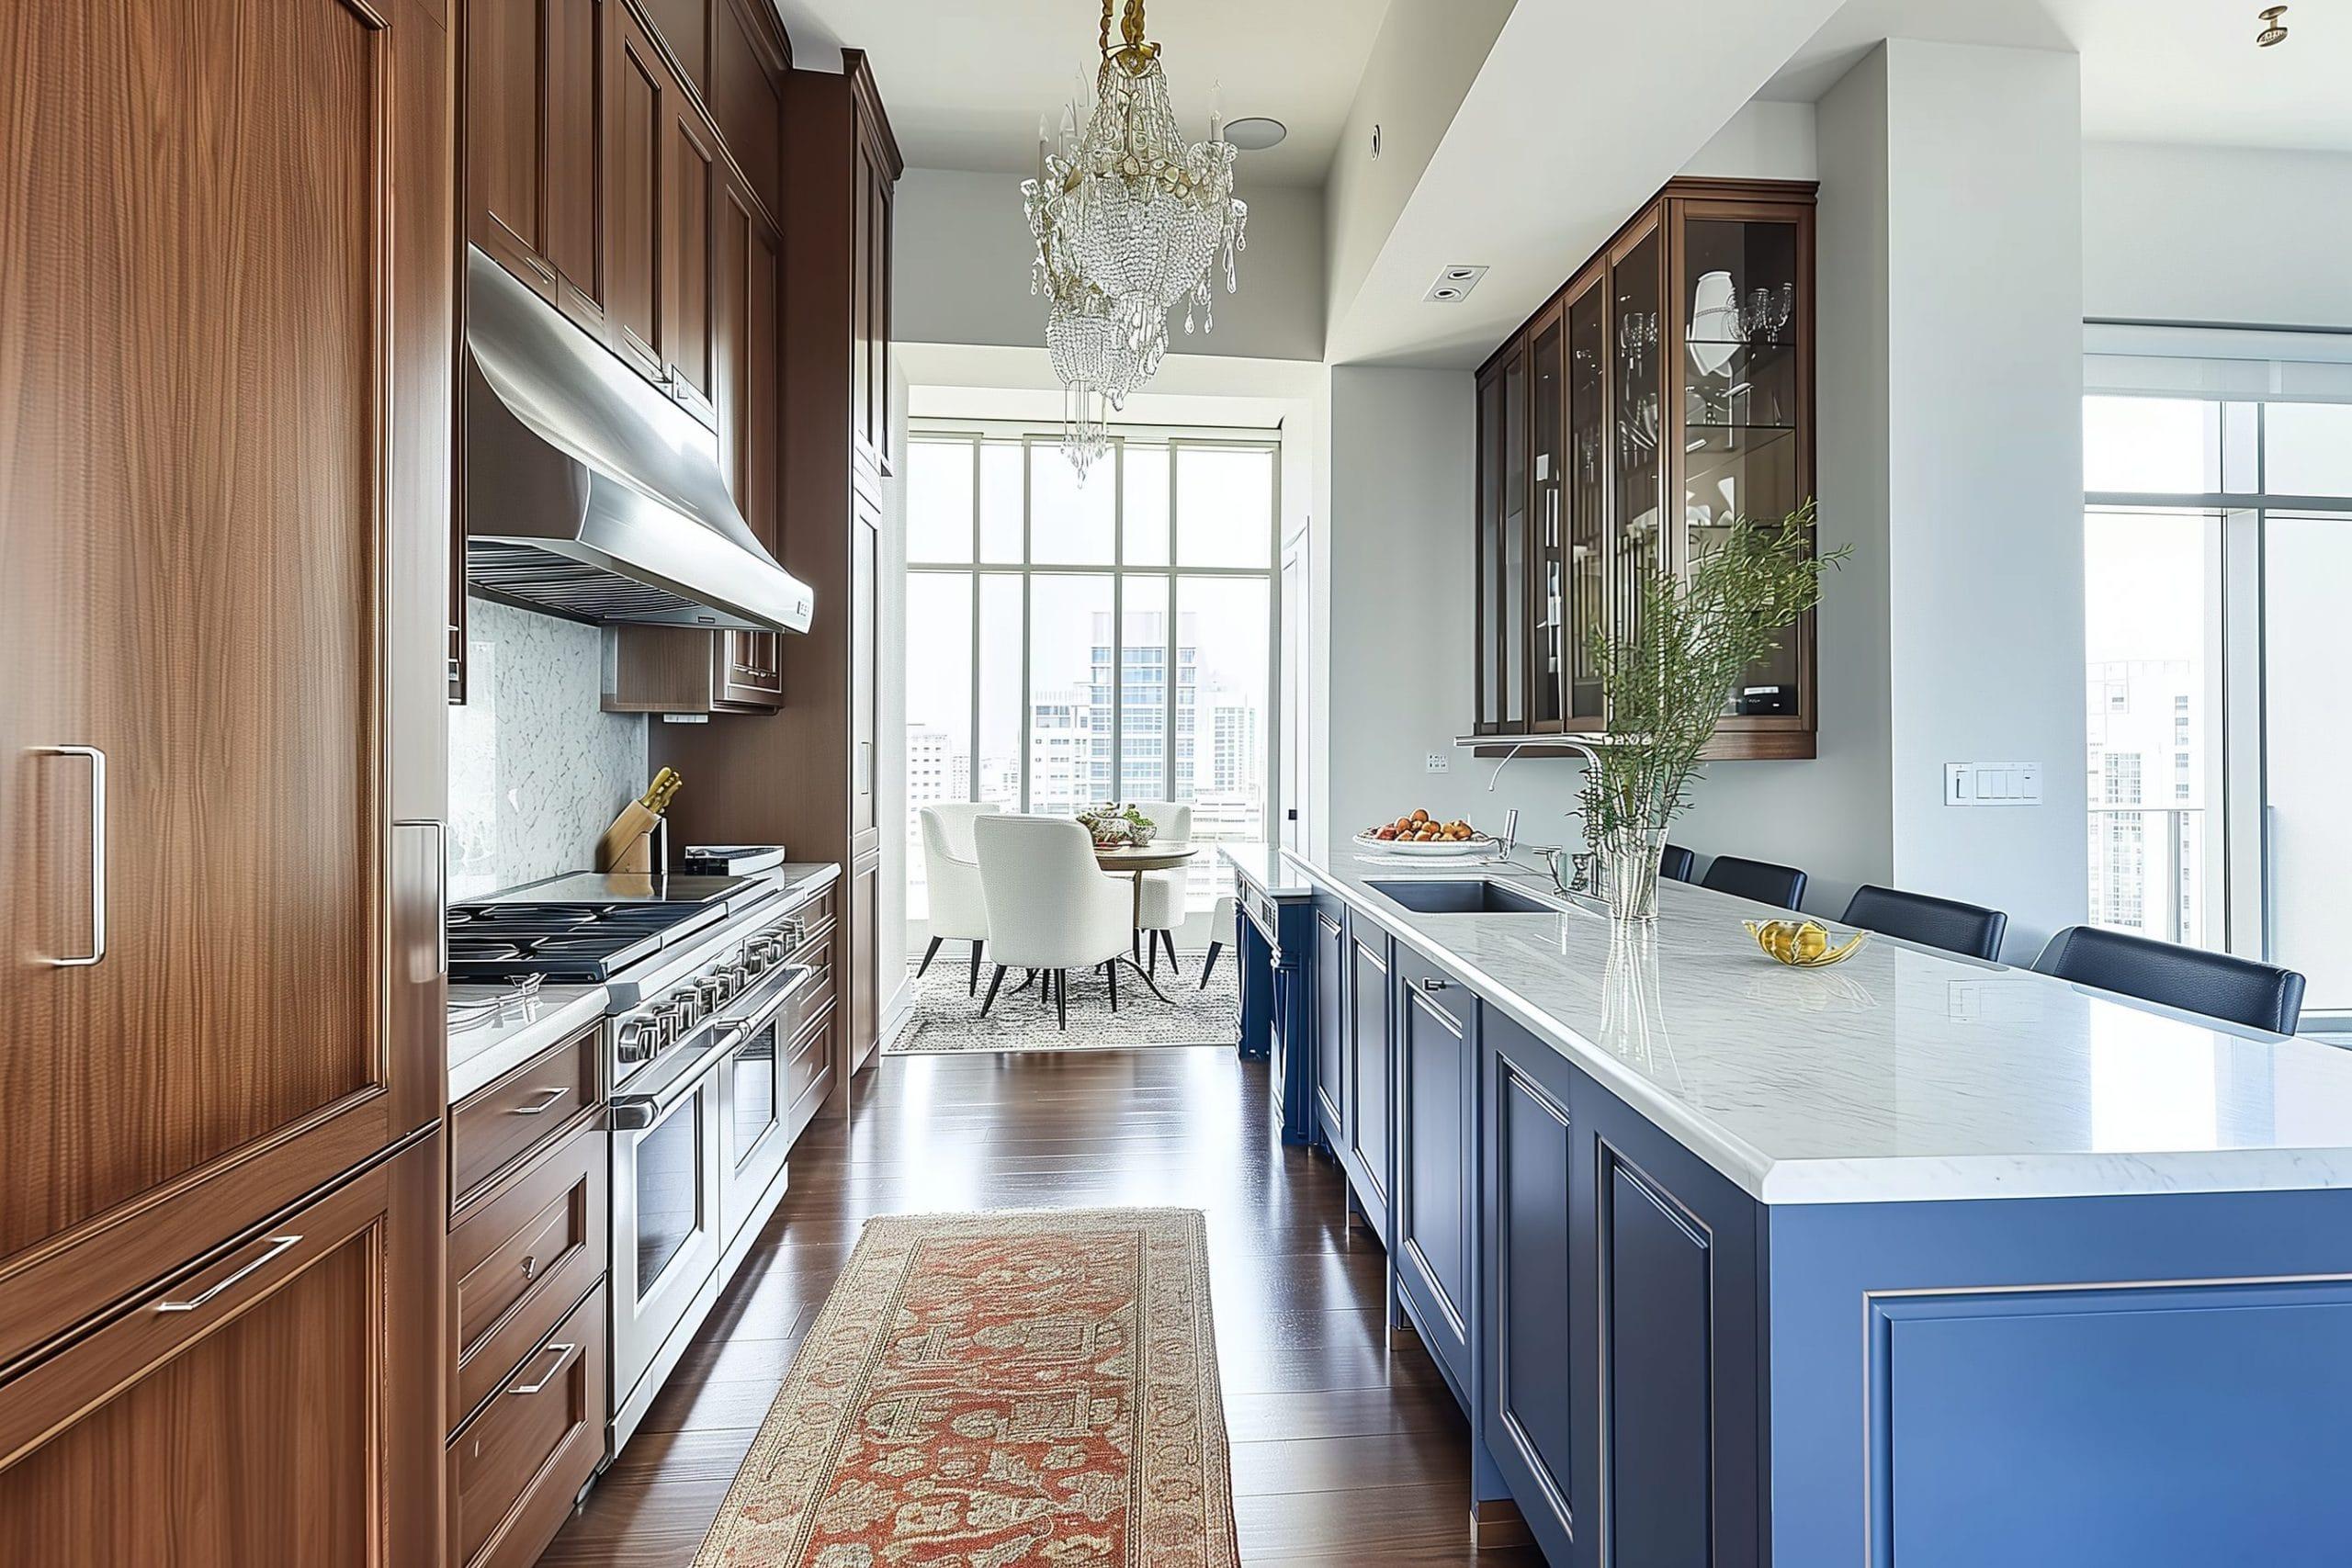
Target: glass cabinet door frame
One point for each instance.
(1753, 735)
(1593, 280)
(1546, 529)
(1648, 226)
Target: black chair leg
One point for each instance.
(928, 955)
(973, 984)
(1135, 944)
(994, 981)
(1168, 940)
(1061, 1000)
(1151, 950)
(1110, 973)
(1209, 964)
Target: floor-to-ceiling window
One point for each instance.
(2218, 568)
(1072, 644)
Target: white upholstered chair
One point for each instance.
(952, 874)
(1162, 912)
(1225, 924)
(1051, 909)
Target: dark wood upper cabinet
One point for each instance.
(533, 155)
(638, 113)
(690, 201)
(877, 172)
(1665, 389)
(685, 27)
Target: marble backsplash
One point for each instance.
(537, 770)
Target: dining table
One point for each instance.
(1134, 859)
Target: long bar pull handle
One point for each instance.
(563, 1355)
(277, 1243)
(97, 760)
(548, 1097)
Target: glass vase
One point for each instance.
(1629, 857)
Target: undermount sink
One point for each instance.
(1460, 896)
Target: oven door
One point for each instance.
(665, 1218)
(752, 1138)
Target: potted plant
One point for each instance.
(1115, 825)
(1666, 672)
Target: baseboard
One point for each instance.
(1497, 1524)
(897, 1008)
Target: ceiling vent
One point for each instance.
(1453, 285)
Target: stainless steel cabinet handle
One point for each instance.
(633, 1113)
(97, 760)
(277, 1243)
(1431, 983)
(564, 1354)
(548, 1097)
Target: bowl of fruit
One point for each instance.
(1419, 834)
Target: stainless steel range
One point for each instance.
(718, 1054)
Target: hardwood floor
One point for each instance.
(1342, 1450)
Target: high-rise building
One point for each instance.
(2145, 768)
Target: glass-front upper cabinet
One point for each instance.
(1742, 382)
(1547, 613)
(1637, 404)
(1666, 391)
(1585, 452)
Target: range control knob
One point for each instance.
(640, 1040)
(710, 991)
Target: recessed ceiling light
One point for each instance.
(1256, 133)
(1453, 283)
(2273, 30)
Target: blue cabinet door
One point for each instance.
(1436, 1090)
(1365, 1152)
(1330, 1020)
(1535, 1211)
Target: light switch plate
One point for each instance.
(1439, 762)
(1992, 784)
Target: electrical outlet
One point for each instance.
(1439, 762)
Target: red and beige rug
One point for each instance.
(984, 1391)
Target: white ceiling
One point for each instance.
(2153, 70)
(966, 80)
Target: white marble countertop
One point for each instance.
(480, 1054)
(1903, 1074)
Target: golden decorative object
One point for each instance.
(1802, 944)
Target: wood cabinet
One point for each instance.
(223, 505)
(806, 775)
(1436, 1094)
(273, 1402)
(518, 1467)
(1667, 389)
(624, 159)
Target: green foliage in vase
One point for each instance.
(1668, 671)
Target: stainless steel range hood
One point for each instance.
(588, 493)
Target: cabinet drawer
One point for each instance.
(514, 1117)
(514, 1469)
(519, 1261)
(816, 916)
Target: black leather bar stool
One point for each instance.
(1947, 923)
(2213, 984)
(1677, 864)
(1779, 886)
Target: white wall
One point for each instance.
(2216, 234)
(1397, 666)
(1986, 469)
(962, 253)
(1765, 141)
(894, 987)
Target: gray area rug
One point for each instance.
(947, 1019)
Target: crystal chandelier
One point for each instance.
(1128, 219)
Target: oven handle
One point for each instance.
(798, 975)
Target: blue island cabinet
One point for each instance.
(1274, 967)
(1619, 1355)
(1436, 1094)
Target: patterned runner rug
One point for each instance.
(989, 1391)
(946, 1017)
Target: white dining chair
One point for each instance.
(1051, 909)
(1161, 911)
(1225, 925)
(952, 876)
